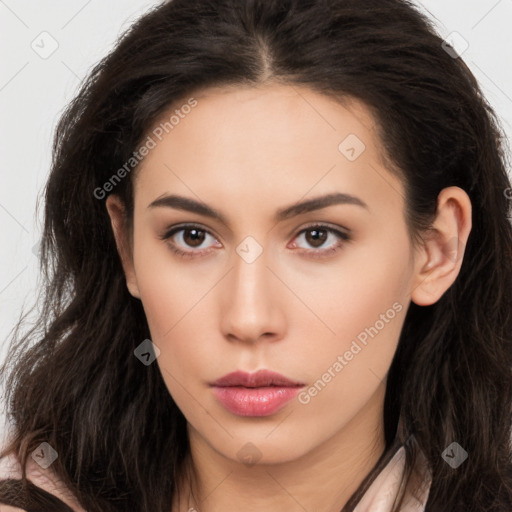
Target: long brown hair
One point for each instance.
(72, 379)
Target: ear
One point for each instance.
(440, 257)
(117, 213)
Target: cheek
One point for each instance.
(359, 313)
(169, 290)
(177, 301)
(172, 320)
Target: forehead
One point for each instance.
(233, 116)
(265, 141)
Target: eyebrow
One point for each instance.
(316, 203)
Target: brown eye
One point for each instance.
(194, 238)
(317, 238)
(191, 237)
(321, 240)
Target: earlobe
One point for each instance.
(441, 255)
(116, 212)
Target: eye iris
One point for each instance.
(197, 237)
(317, 239)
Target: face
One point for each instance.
(317, 293)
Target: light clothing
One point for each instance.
(379, 497)
(386, 488)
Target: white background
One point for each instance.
(34, 91)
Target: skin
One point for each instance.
(248, 152)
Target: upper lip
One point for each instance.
(260, 378)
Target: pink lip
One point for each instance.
(255, 394)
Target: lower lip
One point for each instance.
(262, 401)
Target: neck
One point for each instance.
(323, 479)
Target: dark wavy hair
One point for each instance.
(72, 379)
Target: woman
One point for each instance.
(277, 253)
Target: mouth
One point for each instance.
(255, 394)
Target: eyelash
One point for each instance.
(345, 237)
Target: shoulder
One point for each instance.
(45, 479)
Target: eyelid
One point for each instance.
(326, 225)
(343, 234)
(168, 233)
(186, 225)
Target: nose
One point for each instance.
(251, 305)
